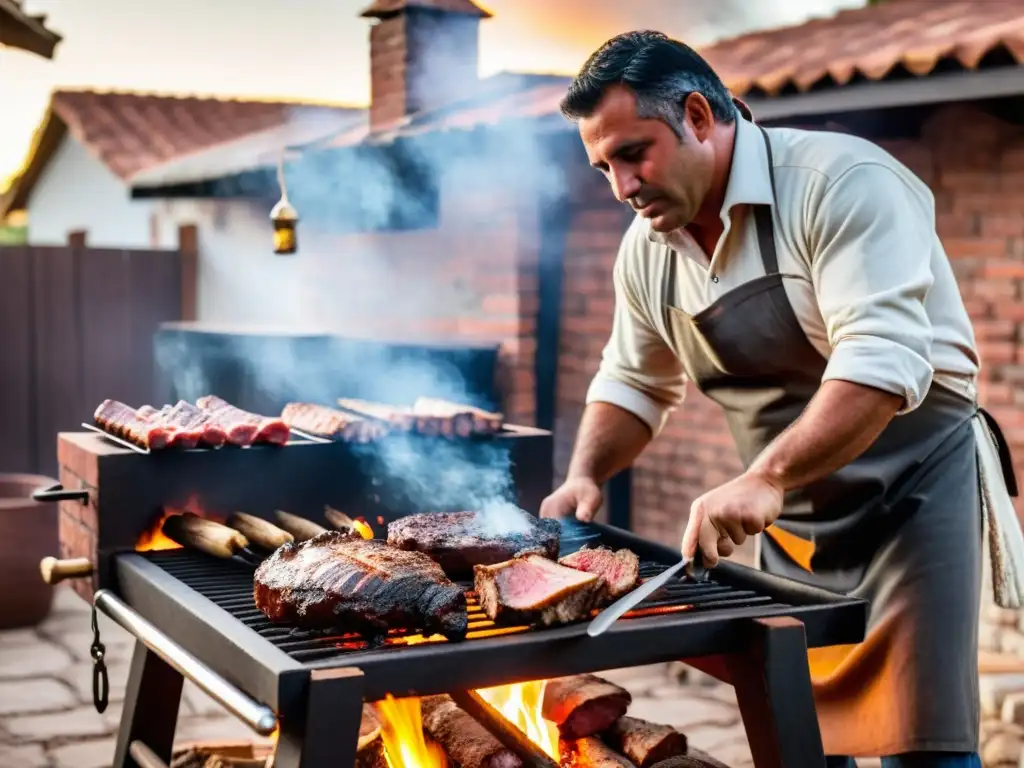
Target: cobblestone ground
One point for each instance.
(47, 719)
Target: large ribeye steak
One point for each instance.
(344, 583)
(458, 541)
(535, 590)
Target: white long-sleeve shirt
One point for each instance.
(862, 266)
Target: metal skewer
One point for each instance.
(116, 439)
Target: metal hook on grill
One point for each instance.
(100, 678)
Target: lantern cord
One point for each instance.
(280, 178)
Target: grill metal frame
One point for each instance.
(273, 677)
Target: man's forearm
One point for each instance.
(842, 420)
(608, 440)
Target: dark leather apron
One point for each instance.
(900, 526)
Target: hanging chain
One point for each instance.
(100, 679)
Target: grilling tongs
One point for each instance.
(631, 600)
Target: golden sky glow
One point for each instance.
(318, 49)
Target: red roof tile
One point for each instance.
(870, 42)
(131, 131)
(381, 8)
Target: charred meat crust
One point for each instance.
(458, 541)
(345, 583)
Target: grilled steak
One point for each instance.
(645, 743)
(328, 422)
(470, 744)
(620, 570)
(122, 421)
(583, 705)
(458, 541)
(589, 752)
(344, 583)
(535, 590)
(243, 427)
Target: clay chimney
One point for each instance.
(423, 54)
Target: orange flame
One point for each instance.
(363, 528)
(153, 538)
(520, 704)
(401, 728)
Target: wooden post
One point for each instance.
(188, 246)
(76, 238)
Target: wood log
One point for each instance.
(590, 752)
(643, 742)
(694, 758)
(466, 741)
(583, 705)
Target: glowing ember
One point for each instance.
(520, 704)
(401, 728)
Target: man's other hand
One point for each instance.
(579, 495)
(722, 518)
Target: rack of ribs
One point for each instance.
(327, 422)
(123, 421)
(242, 427)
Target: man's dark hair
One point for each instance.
(661, 71)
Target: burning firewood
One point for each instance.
(299, 527)
(645, 743)
(346, 524)
(467, 742)
(583, 705)
(590, 752)
(370, 749)
(259, 531)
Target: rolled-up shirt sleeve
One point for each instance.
(639, 372)
(871, 273)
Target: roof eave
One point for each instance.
(970, 85)
(27, 33)
(48, 137)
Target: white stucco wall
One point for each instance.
(78, 192)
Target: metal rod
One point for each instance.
(115, 439)
(258, 717)
(507, 733)
(144, 756)
(311, 438)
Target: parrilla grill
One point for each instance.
(194, 615)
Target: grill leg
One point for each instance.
(773, 688)
(151, 703)
(330, 734)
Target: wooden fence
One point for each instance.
(76, 327)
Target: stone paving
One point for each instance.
(47, 719)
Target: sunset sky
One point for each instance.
(318, 49)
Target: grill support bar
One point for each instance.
(773, 690)
(150, 712)
(176, 659)
(328, 735)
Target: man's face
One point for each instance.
(662, 178)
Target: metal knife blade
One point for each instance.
(628, 602)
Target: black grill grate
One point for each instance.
(228, 584)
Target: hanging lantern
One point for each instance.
(284, 217)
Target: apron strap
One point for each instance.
(763, 218)
(1005, 459)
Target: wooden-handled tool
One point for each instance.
(55, 571)
(207, 536)
(299, 527)
(258, 531)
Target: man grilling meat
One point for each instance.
(796, 279)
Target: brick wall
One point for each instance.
(974, 163)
